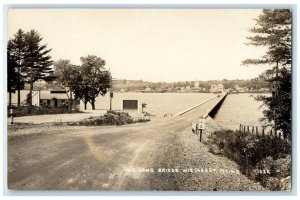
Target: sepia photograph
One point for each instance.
(149, 99)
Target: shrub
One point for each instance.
(250, 148)
(254, 152)
(280, 170)
(35, 110)
(110, 118)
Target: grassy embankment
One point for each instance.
(262, 158)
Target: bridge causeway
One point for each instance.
(215, 108)
(212, 110)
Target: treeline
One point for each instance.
(28, 61)
(136, 85)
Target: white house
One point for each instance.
(220, 87)
(216, 88)
(54, 98)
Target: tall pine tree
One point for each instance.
(274, 31)
(11, 75)
(16, 48)
(37, 62)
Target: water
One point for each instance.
(236, 109)
(240, 109)
(158, 104)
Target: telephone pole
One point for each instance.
(111, 95)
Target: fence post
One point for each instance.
(240, 127)
(271, 133)
(248, 129)
(200, 135)
(11, 110)
(256, 129)
(263, 130)
(252, 129)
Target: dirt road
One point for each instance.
(159, 155)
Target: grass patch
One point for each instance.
(109, 119)
(262, 158)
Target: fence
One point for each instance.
(260, 130)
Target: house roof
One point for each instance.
(46, 94)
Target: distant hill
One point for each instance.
(123, 85)
(140, 85)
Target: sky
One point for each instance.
(159, 45)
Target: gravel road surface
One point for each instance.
(160, 155)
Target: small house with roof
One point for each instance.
(216, 88)
(54, 98)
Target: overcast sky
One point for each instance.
(149, 44)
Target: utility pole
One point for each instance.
(111, 95)
(110, 100)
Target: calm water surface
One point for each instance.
(236, 109)
(158, 104)
(240, 109)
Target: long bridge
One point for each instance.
(212, 110)
(150, 156)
